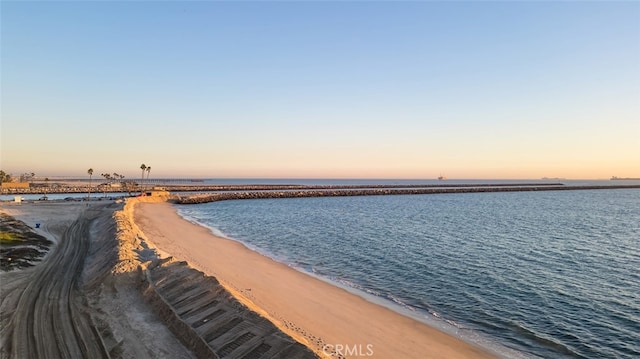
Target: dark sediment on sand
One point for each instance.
(20, 246)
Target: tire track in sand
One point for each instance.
(49, 320)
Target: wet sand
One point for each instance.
(322, 316)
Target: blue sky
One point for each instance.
(322, 89)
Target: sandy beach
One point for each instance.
(328, 319)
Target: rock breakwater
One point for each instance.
(385, 191)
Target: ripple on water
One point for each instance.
(551, 274)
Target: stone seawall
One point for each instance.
(248, 187)
(196, 199)
(286, 187)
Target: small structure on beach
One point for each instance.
(158, 192)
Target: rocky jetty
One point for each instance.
(290, 187)
(384, 191)
(57, 188)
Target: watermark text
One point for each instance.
(348, 350)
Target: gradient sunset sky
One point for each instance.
(321, 89)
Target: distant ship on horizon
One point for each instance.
(614, 178)
(441, 178)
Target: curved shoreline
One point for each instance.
(400, 308)
(315, 312)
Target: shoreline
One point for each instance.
(315, 312)
(401, 309)
(425, 317)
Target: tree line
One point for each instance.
(118, 179)
(25, 177)
(111, 178)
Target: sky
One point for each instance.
(515, 90)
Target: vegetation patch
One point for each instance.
(20, 246)
(7, 237)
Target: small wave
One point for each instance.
(453, 323)
(401, 303)
(212, 228)
(217, 232)
(351, 284)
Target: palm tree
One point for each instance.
(126, 184)
(90, 172)
(104, 188)
(148, 171)
(142, 167)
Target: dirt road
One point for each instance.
(50, 319)
(72, 304)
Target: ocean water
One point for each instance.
(532, 274)
(302, 181)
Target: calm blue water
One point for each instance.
(549, 274)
